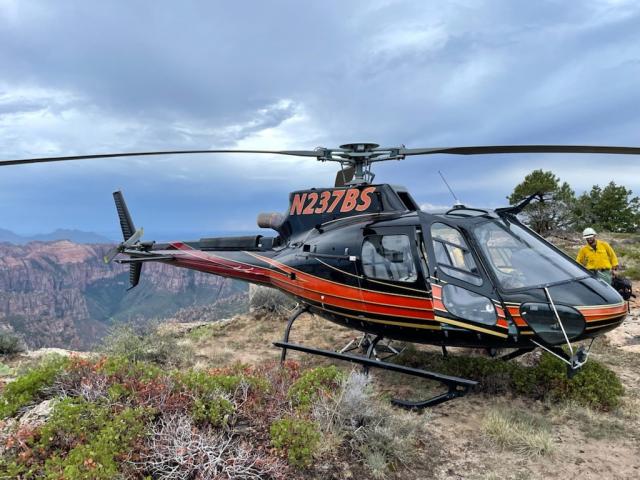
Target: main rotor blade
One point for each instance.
(295, 153)
(489, 149)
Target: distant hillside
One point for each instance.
(61, 294)
(77, 236)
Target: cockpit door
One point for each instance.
(464, 296)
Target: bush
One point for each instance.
(147, 344)
(29, 388)
(176, 449)
(594, 385)
(10, 343)
(84, 440)
(110, 414)
(313, 383)
(270, 301)
(298, 438)
(371, 430)
(5, 370)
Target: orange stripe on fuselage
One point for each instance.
(368, 297)
(515, 314)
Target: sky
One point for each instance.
(81, 77)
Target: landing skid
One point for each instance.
(456, 387)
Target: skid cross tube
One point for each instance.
(457, 386)
(296, 313)
(516, 353)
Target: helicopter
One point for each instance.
(365, 256)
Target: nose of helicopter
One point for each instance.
(570, 311)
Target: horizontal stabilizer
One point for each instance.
(146, 259)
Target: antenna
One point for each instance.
(450, 189)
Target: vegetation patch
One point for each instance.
(29, 388)
(120, 417)
(314, 383)
(383, 438)
(297, 437)
(147, 344)
(594, 386)
(515, 430)
(5, 370)
(10, 343)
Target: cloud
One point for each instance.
(113, 76)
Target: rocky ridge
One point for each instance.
(61, 294)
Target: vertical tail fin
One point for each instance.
(128, 231)
(135, 269)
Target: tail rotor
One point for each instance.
(131, 236)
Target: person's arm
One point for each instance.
(581, 257)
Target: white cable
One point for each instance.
(553, 305)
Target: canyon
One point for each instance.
(62, 294)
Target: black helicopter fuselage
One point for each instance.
(368, 258)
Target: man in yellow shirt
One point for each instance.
(598, 256)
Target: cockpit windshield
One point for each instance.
(521, 260)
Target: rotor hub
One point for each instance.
(359, 147)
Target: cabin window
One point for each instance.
(389, 257)
(468, 305)
(453, 255)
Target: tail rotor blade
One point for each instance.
(126, 224)
(111, 254)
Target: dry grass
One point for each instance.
(383, 438)
(621, 423)
(525, 434)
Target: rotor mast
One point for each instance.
(359, 157)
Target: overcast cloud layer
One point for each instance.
(89, 77)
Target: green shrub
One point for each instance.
(298, 438)
(5, 370)
(80, 440)
(206, 332)
(204, 383)
(10, 343)
(312, 383)
(28, 388)
(87, 440)
(124, 367)
(270, 301)
(594, 385)
(148, 345)
(216, 411)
